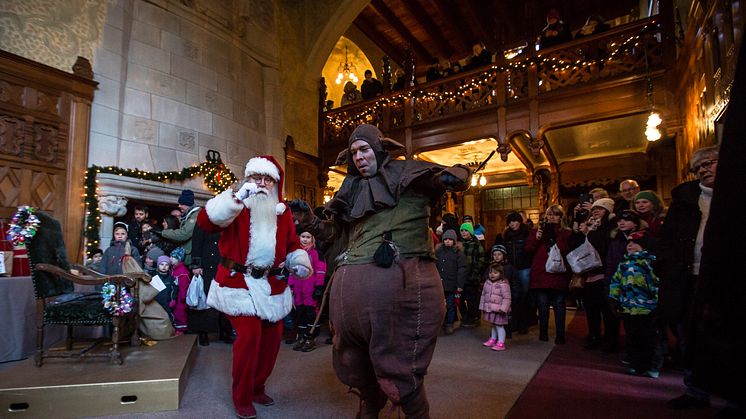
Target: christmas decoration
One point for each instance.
(477, 81)
(23, 225)
(116, 305)
(216, 175)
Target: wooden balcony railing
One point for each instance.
(618, 52)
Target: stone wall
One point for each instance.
(180, 78)
(51, 32)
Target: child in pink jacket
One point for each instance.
(181, 276)
(306, 294)
(495, 304)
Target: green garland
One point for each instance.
(217, 178)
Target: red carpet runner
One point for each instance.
(578, 383)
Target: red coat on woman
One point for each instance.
(539, 248)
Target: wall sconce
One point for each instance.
(652, 132)
(478, 180)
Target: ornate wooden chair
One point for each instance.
(53, 278)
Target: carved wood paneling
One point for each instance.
(44, 129)
(12, 136)
(10, 187)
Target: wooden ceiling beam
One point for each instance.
(482, 30)
(433, 32)
(395, 53)
(380, 7)
(450, 15)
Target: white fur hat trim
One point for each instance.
(262, 166)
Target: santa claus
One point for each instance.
(257, 240)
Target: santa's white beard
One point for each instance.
(263, 229)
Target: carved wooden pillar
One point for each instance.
(386, 75)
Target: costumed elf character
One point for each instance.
(257, 236)
(386, 295)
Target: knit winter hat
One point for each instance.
(513, 216)
(121, 224)
(164, 258)
(154, 253)
(499, 248)
(178, 253)
(641, 238)
(605, 203)
(468, 227)
(630, 215)
(186, 197)
(449, 234)
(650, 196)
(468, 218)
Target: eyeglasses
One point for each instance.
(259, 179)
(703, 165)
(628, 190)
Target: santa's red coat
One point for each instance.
(232, 294)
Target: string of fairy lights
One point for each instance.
(216, 175)
(552, 63)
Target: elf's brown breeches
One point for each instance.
(386, 322)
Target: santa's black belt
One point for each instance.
(254, 271)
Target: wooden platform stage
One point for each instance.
(151, 379)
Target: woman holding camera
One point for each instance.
(549, 287)
(597, 228)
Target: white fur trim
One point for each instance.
(255, 301)
(299, 257)
(263, 239)
(223, 209)
(280, 208)
(262, 166)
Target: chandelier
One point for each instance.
(346, 70)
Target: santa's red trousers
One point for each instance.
(254, 355)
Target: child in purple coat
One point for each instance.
(306, 293)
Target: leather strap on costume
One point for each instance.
(254, 271)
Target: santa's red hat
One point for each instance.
(269, 166)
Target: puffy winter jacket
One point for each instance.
(452, 266)
(495, 296)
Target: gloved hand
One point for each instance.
(318, 292)
(246, 190)
(300, 271)
(449, 181)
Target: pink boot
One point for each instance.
(490, 342)
(499, 346)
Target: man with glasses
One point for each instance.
(681, 252)
(628, 188)
(257, 239)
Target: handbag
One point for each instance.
(584, 258)
(555, 263)
(386, 253)
(195, 297)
